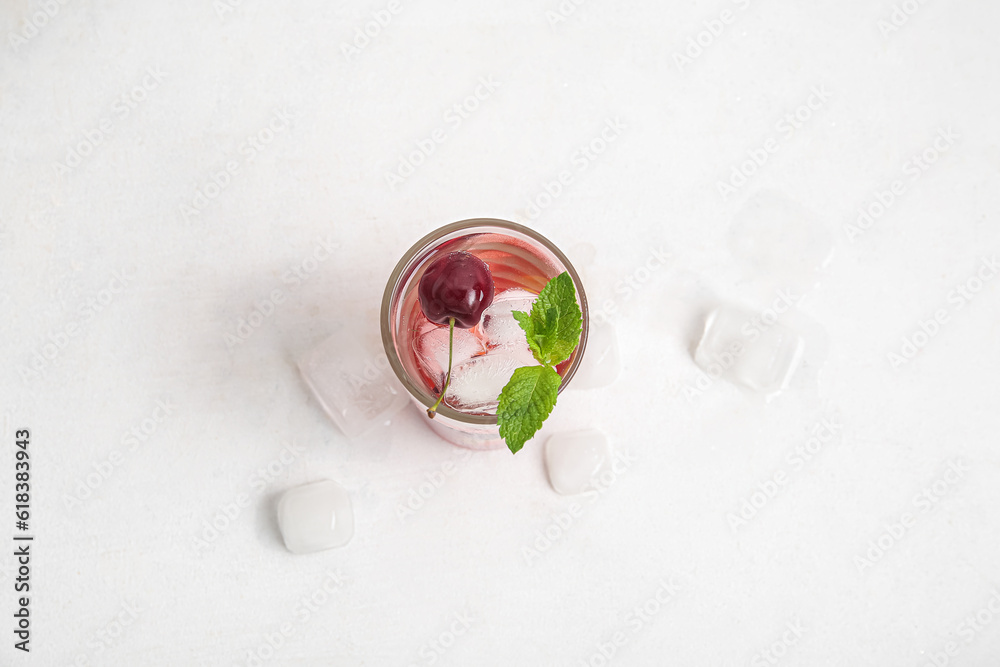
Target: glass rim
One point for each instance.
(425, 242)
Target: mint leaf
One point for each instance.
(525, 402)
(557, 321)
(552, 329)
(526, 323)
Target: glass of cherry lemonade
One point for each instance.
(521, 262)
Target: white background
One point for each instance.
(133, 541)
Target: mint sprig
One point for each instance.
(525, 402)
(552, 330)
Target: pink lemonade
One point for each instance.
(484, 357)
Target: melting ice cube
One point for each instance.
(431, 349)
(780, 238)
(499, 326)
(762, 360)
(573, 460)
(476, 384)
(601, 364)
(489, 354)
(357, 389)
(315, 517)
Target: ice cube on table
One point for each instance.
(431, 349)
(476, 384)
(316, 516)
(763, 362)
(573, 460)
(499, 325)
(781, 239)
(601, 364)
(355, 387)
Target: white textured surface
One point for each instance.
(257, 121)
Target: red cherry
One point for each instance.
(458, 285)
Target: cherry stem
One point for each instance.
(447, 380)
